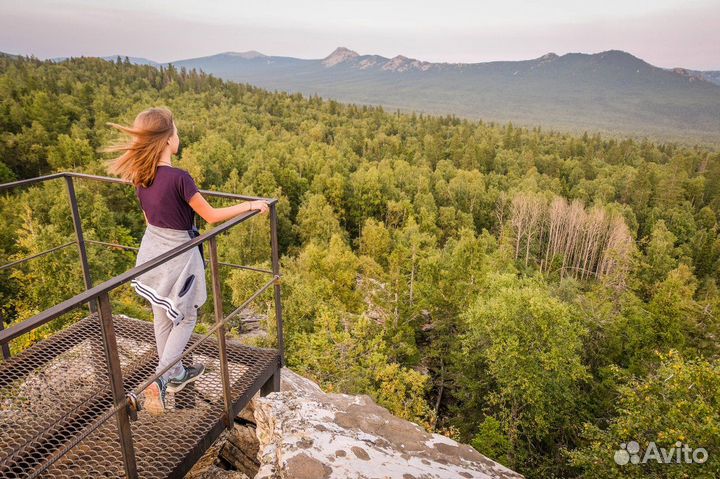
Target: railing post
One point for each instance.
(80, 239)
(116, 383)
(276, 286)
(219, 316)
(5, 346)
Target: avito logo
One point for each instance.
(681, 453)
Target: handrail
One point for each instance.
(110, 179)
(30, 181)
(42, 253)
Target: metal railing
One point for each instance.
(98, 299)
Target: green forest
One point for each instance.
(544, 297)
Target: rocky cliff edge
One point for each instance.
(302, 432)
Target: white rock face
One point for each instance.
(305, 433)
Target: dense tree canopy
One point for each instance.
(541, 296)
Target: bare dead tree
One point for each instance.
(535, 208)
(518, 214)
(591, 242)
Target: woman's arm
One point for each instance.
(217, 215)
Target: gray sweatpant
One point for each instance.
(171, 340)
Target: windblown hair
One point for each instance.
(150, 132)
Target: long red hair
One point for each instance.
(150, 132)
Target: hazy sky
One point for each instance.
(666, 33)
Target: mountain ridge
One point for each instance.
(343, 54)
(401, 63)
(610, 92)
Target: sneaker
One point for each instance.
(191, 374)
(155, 397)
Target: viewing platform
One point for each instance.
(69, 404)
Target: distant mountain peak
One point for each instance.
(343, 51)
(340, 55)
(549, 56)
(615, 52)
(401, 63)
(248, 55)
(617, 55)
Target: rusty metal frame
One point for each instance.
(97, 297)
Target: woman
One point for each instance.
(169, 199)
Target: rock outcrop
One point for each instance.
(303, 432)
(340, 55)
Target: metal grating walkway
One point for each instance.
(58, 390)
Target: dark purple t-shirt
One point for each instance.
(165, 201)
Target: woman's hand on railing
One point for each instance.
(217, 215)
(259, 205)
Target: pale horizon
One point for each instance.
(664, 33)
